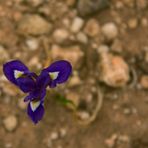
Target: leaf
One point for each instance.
(64, 101)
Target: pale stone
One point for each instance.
(81, 37)
(60, 35)
(54, 136)
(10, 123)
(77, 24)
(110, 30)
(83, 115)
(32, 44)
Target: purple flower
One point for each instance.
(57, 73)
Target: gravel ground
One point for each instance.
(106, 42)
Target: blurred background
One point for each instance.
(106, 42)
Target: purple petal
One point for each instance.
(26, 84)
(36, 115)
(61, 71)
(37, 94)
(43, 80)
(10, 68)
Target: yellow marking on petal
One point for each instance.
(54, 75)
(34, 105)
(18, 74)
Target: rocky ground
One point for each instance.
(107, 43)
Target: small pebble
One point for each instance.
(110, 30)
(132, 23)
(60, 35)
(127, 111)
(63, 132)
(66, 22)
(54, 136)
(92, 28)
(77, 24)
(119, 5)
(8, 145)
(102, 48)
(81, 37)
(32, 44)
(144, 22)
(144, 81)
(83, 115)
(115, 107)
(124, 138)
(117, 46)
(10, 123)
(110, 142)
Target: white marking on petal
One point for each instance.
(34, 105)
(18, 73)
(54, 75)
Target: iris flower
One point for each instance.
(27, 81)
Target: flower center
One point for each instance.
(53, 75)
(18, 74)
(34, 105)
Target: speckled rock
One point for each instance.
(114, 71)
(87, 7)
(33, 25)
(92, 28)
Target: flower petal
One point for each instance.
(35, 111)
(59, 72)
(26, 84)
(13, 70)
(37, 94)
(43, 80)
